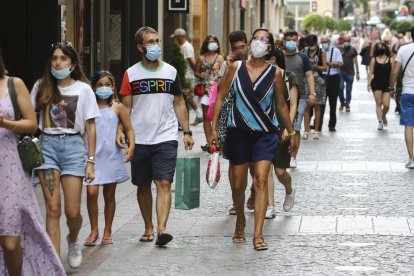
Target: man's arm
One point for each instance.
(120, 136)
(311, 85)
(356, 66)
(182, 116)
(192, 63)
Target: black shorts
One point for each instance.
(282, 156)
(154, 162)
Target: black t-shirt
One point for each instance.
(348, 55)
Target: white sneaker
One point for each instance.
(380, 125)
(270, 213)
(293, 163)
(74, 253)
(289, 201)
(410, 164)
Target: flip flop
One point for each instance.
(147, 237)
(91, 240)
(163, 239)
(107, 240)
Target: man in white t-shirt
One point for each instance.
(405, 61)
(188, 52)
(151, 92)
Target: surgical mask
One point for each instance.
(258, 48)
(212, 46)
(62, 73)
(104, 92)
(312, 48)
(290, 45)
(325, 46)
(153, 52)
(347, 44)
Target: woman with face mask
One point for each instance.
(109, 167)
(64, 92)
(252, 128)
(207, 70)
(379, 81)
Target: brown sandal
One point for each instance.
(259, 244)
(238, 236)
(147, 237)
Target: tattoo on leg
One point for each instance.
(49, 180)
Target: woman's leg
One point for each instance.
(307, 118)
(50, 182)
(378, 104)
(239, 184)
(13, 255)
(261, 172)
(92, 192)
(110, 206)
(284, 177)
(409, 141)
(270, 189)
(386, 98)
(206, 122)
(72, 192)
(317, 117)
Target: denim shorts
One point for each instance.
(407, 109)
(66, 154)
(154, 162)
(245, 146)
(297, 124)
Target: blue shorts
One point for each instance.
(407, 110)
(245, 146)
(297, 124)
(66, 154)
(154, 162)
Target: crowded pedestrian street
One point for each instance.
(353, 212)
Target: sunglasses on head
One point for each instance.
(61, 44)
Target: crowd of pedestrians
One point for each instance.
(88, 130)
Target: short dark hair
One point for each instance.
(139, 35)
(280, 58)
(237, 36)
(311, 39)
(271, 41)
(290, 33)
(412, 33)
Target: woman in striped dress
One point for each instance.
(252, 128)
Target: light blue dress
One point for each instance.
(109, 162)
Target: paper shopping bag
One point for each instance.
(187, 186)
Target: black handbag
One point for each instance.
(29, 146)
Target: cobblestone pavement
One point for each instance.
(354, 213)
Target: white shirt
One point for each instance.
(336, 56)
(78, 105)
(188, 52)
(403, 55)
(152, 116)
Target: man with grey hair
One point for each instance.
(151, 92)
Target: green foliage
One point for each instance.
(344, 25)
(313, 20)
(329, 23)
(387, 20)
(177, 60)
(404, 27)
(393, 24)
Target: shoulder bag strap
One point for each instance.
(330, 60)
(405, 67)
(13, 98)
(211, 65)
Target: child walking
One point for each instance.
(109, 167)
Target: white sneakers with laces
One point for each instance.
(289, 201)
(380, 125)
(293, 163)
(410, 164)
(74, 253)
(270, 212)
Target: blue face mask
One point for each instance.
(153, 52)
(62, 73)
(290, 45)
(104, 92)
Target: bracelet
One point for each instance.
(90, 161)
(291, 133)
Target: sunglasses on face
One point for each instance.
(261, 38)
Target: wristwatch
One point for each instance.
(188, 132)
(91, 158)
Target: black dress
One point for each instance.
(365, 54)
(381, 79)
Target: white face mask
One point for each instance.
(258, 48)
(212, 46)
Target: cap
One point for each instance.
(179, 32)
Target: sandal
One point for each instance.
(91, 240)
(305, 135)
(238, 236)
(147, 237)
(107, 240)
(163, 239)
(259, 244)
(316, 135)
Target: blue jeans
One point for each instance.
(349, 80)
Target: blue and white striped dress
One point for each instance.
(254, 107)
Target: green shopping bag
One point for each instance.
(187, 183)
